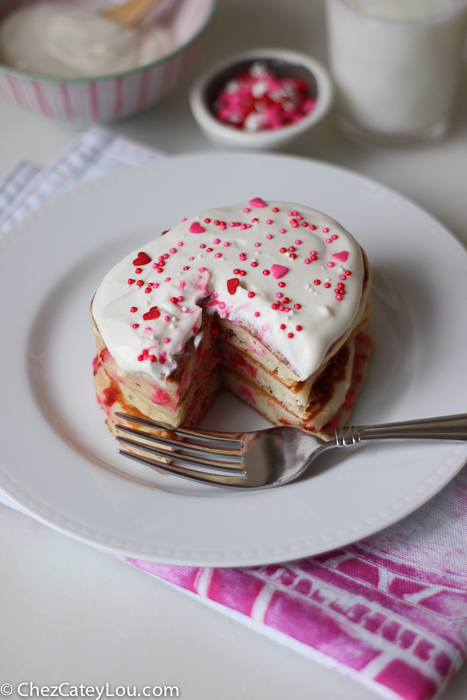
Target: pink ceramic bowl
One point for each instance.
(80, 101)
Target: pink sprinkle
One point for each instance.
(167, 279)
(183, 219)
(155, 285)
(226, 244)
(148, 329)
(246, 210)
(290, 213)
(278, 271)
(307, 261)
(166, 340)
(328, 240)
(232, 223)
(222, 305)
(282, 230)
(294, 225)
(325, 230)
(257, 245)
(173, 250)
(339, 297)
(180, 243)
(313, 252)
(342, 277)
(330, 264)
(166, 318)
(222, 228)
(268, 221)
(203, 269)
(281, 308)
(190, 259)
(287, 309)
(295, 213)
(279, 295)
(216, 241)
(256, 313)
(182, 284)
(300, 218)
(257, 202)
(243, 227)
(218, 255)
(180, 298)
(155, 265)
(165, 256)
(341, 256)
(269, 236)
(298, 243)
(196, 228)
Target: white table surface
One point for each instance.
(69, 613)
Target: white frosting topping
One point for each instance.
(287, 272)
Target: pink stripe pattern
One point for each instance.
(389, 611)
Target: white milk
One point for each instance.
(396, 63)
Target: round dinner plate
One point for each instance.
(59, 461)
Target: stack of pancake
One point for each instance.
(299, 359)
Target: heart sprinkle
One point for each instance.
(257, 202)
(196, 228)
(278, 271)
(232, 285)
(152, 313)
(142, 259)
(340, 256)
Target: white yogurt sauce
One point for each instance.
(396, 63)
(69, 41)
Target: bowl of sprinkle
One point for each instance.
(261, 99)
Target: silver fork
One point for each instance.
(264, 458)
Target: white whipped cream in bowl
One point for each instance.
(70, 63)
(72, 41)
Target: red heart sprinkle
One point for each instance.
(152, 313)
(196, 228)
(142, 259)
(232, 285)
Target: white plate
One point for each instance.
(59, 461)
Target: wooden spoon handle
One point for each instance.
(130, 12)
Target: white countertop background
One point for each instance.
(70, 614)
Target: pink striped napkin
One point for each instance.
(389, 611)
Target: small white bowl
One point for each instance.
(282, 62)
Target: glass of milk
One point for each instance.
(397, 66)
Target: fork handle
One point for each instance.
(443, 428)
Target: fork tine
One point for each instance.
(185, 447)
(205, 479)
(232, 440)
(194, 464)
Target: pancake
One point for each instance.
(268, 298)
